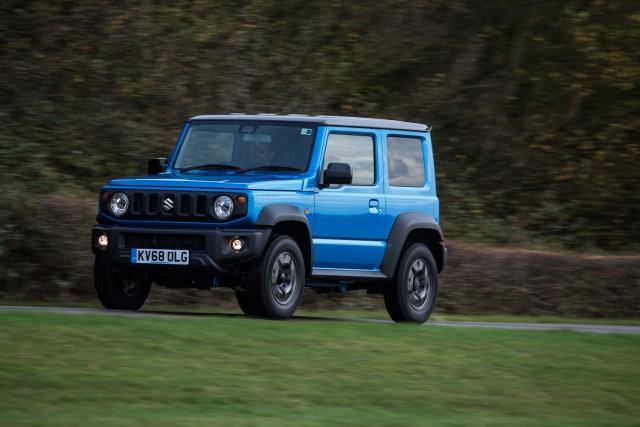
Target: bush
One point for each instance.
(484, 280)
(45, 247)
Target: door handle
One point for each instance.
(374, 206)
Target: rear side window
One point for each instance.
(356, 150)
(405, 158)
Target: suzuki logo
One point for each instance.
(167, 204)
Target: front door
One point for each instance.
(349, 230)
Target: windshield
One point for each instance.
(246, 146)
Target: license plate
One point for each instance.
(160, 256)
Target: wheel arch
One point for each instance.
(289, 220)
(413, 227)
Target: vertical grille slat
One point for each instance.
(137, 203)
(201, 208)
(153, 203)
(185, 204)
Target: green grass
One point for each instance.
(382, 315)
(80, 370)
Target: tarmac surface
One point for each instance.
(492, 325)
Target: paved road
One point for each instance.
(492, 325)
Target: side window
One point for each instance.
(405, 158)
(356, 150)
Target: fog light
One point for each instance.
(103, 240)
(236, 244)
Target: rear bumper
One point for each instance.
(209, 249)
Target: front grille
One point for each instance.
(177, 206)
(165, 241)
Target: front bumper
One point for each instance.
(209, 249)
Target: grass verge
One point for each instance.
(78, 370)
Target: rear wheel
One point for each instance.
(116, 291)
(411, 295)
(277, 280)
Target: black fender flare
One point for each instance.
(403, 226)
(273, 215)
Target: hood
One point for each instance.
(207, 181)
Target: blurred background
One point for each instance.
(535, 107)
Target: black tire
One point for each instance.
(245, 303)
(277, 280)
(411, 295)
(118, 292)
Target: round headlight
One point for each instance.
(119, 204)
(223, 207)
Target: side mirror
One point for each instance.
(337, 173)
(157, 165)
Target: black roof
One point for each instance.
(359, 122)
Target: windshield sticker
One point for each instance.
(305, 132)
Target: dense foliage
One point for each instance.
(534, 103)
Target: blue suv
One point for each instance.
(270, 204)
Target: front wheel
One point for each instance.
(411, 295)
(119, 292)
(277, 282)
(245, 303)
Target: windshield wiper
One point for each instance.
(213, 166)
(271, 168)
